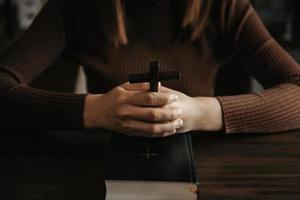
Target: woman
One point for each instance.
(114, 38)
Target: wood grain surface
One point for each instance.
(69, 165)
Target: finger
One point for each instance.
(152, 98)
(166, 90)
(136, 86)
(152, 114)
(153, 129)
(135, 133)
(131, 132)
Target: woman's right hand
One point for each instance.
(132, 110)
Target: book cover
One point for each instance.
(143, 168)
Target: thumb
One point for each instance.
(136, 86)
(166, 90)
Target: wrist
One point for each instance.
(91, 113)
(210, 114)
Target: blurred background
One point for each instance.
(281, 17)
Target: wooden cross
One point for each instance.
(148, 154)
(154, 77)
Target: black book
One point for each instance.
(143, 168)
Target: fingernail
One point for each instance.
(179, 123)
(179, 113)
(175, 97)
(170, 133)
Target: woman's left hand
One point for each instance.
(198, 113)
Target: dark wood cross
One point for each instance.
(154, 77)
(148, 153)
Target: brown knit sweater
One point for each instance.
(237, 33)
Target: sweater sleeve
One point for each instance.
(278, 107)
(26, 108)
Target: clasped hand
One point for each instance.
(132, 110)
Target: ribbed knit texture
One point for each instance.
(275, 109)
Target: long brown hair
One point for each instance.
(193, 18)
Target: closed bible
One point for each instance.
(143, 168)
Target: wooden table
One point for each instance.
(40, 166)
